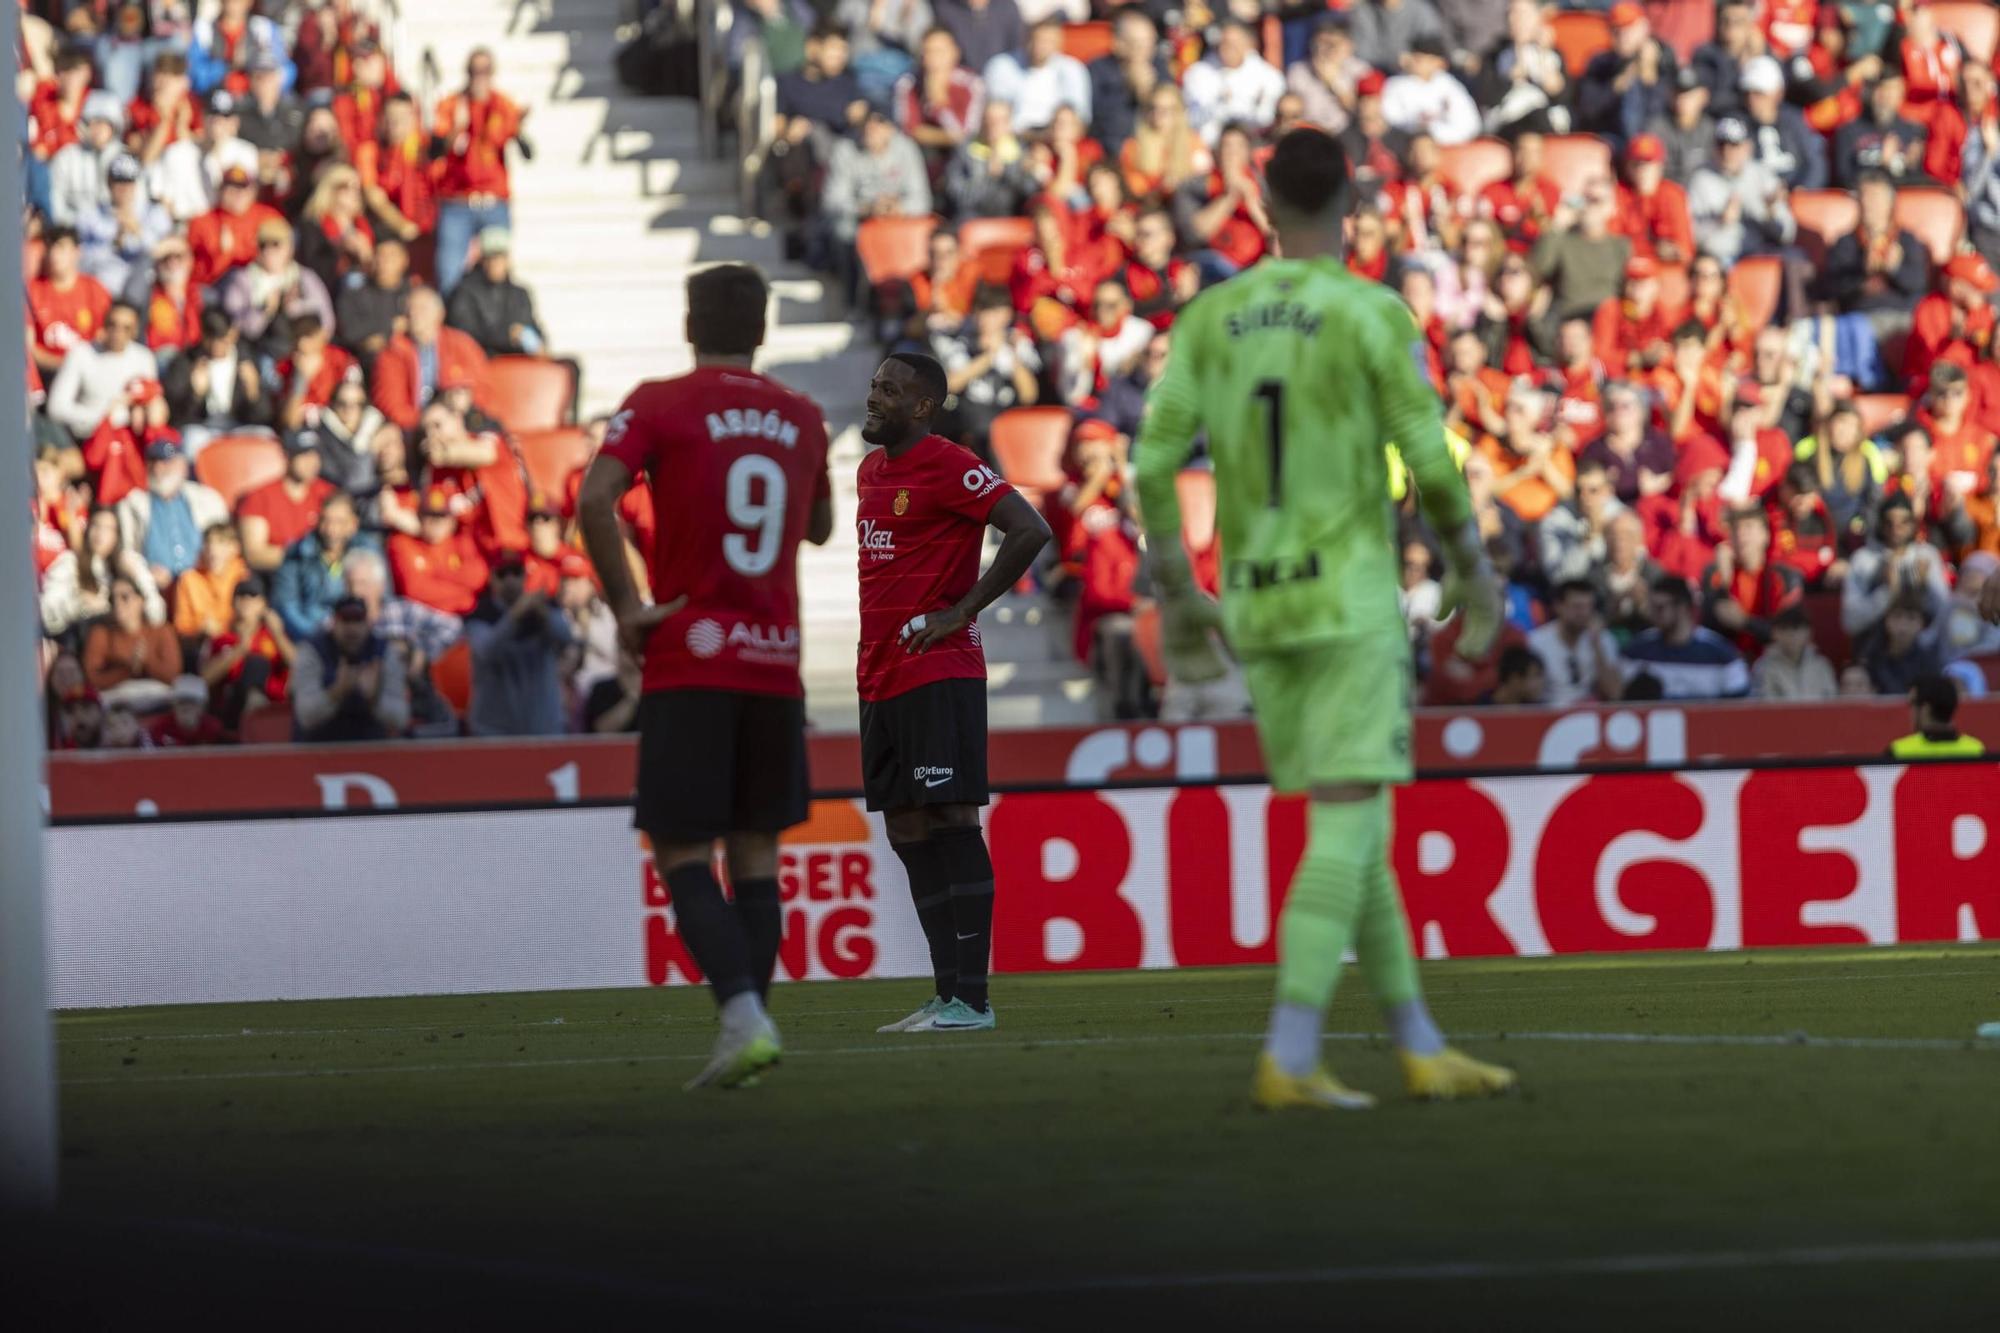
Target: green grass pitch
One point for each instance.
(1805, 1139)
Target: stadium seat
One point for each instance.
(1935, 217)
(1824, 216)
(550, 456)
(992, 243)
(1674, 287)
(1757, 283)
(1879, 411)
(530, 393)
(1086, 41)
(996, 263)
(269, 725)
(1146, 641)
(1579, 35)
(1028, 444)
(1196, 489)
(451, 676)
(233, 464)
(892, 248)
(1574, 158)
(1975, 23)
(1471, 167)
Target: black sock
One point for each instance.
(710, 926)
(763, 921)
(969, 870)
(931, 892)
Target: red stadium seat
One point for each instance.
(1975, 23)
(1674, 287)
(976, 234)
(892, 248)
(1579, 35)
(1879, 411)
(1935, 217)
(1824, 216)
(530, 393)
(451, 676)
(1196, 489)
(1086, 41)
(1471, 167)
(1028, 444)
(233, 464)
(1574, 158)
(1146, 641)
(1756, 283)
(996, 263)
(550, 456)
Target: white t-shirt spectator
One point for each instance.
(186, 178)
(91, 380)
(1572, 669)
(1438, 106)
(1218, 96)
(1087, 352)
(1035, 91)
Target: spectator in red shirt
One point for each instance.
(544, 559)
(416, 365)
(440, 566)
(1652, 210)
(1804, 536)
(1683, 526)
(476, 126)
(166, 114)
(938, 102)
(311, 374)
(481, 469)
(1160, 282)
(56, 109)
(1730, 333)
(395, 170)
(1505, 315)
(1369, 257)
(1634, 331)
(1976, 113)
(1690, 386)
(249, 664)
(1930, 62)
(1954, 323)
(225, 238)
(1578, 380)
(1050, 283)
(1164, 152)
(116, 452)
(187, 721)
(1742, 590)
(1476, 394)
(66, 305)
(1961, 448)
(278, 513)
(1758, 454)
(358, 111)
(1223, 212)
(173, 306)
(1523, 204)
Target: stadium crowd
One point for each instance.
(297, 469)
(1708, 306)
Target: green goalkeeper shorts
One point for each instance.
(1336, 711)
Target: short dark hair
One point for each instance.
(1792, 617)
(128, 308)
(1690, 330)
(1568, 586)
(1307, 172)
(1937, 693)
(929, 376)
(1517, 661)
(55, 236)
(305, 324)
(216, 323)
(990, 297)
(170, 62)
(1675, 587)
(1749, 513)
(1803, 477)
(71, 57)
(826, 28)
(726, 309)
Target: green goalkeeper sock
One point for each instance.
(1318, 921)
(1382, 947)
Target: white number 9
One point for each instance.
(754, 552)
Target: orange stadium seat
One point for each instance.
(1196, 488)
(1028, 444)
(530, 393)
(976, 234)
(1879, 411)
(1579, 35)
(451, 676)
(1824, 216)
(1674, 286)
(1574, 158)
(233, 464)
(1976, 24)
(996, 263)
(1146, 640)
(1471, 167)
(892, 248)
(552, 455)
(1086, 41)
(1756, 283)
(1935, 217)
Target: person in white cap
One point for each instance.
(1738, 203)
(76, 173)
(1785, 143)
(118, 234)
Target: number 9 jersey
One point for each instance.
(737, 462)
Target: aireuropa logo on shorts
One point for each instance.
(932, 776)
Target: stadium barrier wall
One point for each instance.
(395, 902)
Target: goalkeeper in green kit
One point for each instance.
(1300, 371)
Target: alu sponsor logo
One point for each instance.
(705, 638)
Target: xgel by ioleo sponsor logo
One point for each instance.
(877, 541)
(705, 638)
(932, 776)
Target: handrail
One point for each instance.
(756, 113)
(755, 90)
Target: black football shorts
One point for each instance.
(713, 762)
(925, 746)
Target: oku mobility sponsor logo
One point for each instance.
(878, 542)
(981, 480)
(774, 644)
(826, 883)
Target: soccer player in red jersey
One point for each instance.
(738, 464)
(925, 506)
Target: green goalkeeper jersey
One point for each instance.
(1300, 372)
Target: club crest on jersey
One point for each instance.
(902, 505)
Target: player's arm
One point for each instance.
(1188, 616)
(1023, 534)
(819, 523)
(604, 485)
(1409, 412)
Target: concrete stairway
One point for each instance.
(616, 206)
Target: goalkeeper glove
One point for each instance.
(1473, 592)
(1190, 619)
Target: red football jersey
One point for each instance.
(737, 462)
(922, 524)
